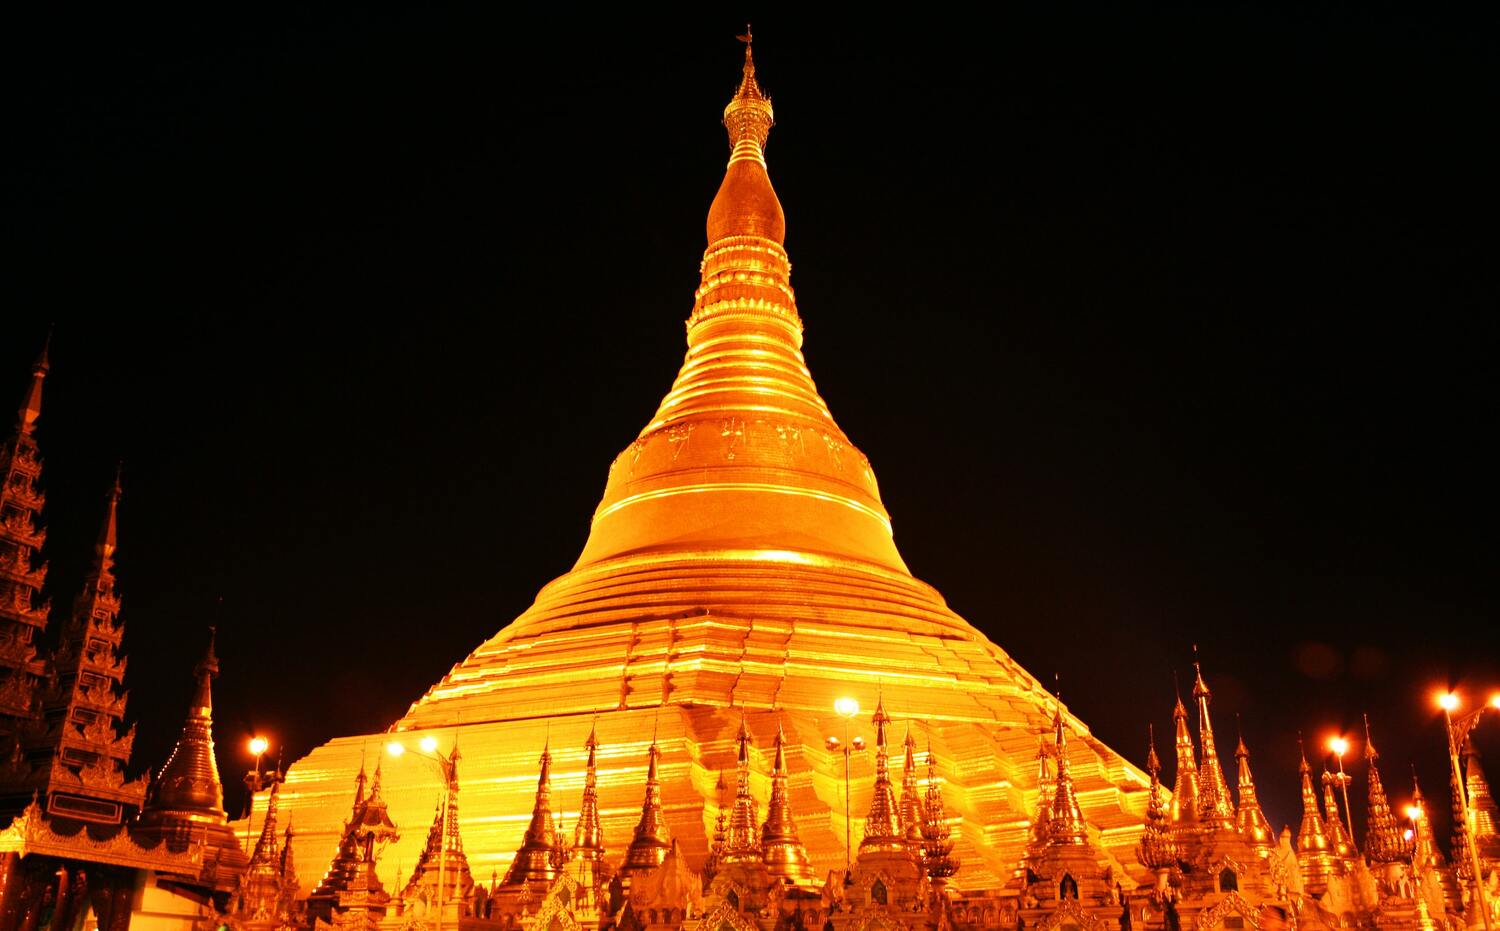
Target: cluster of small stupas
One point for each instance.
(740, 572)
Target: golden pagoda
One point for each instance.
(740, 571)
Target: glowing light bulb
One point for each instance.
(428, 744)
(1414, 812)
(258, 745)
(1338, 745)
(846, 707)
(1495, 700)
(394, 748)
(1447, 701)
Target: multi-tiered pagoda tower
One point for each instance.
(740, 566)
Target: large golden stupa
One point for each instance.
(740, 564)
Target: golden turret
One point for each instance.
(1156, 851)
(1333, 821)
(1384, 841)
(782, 851)
(1315, 854)
(1046, 790)
(1185, 791)
(537, 859)
(1065, 826)
(186, 804)
(742, 844)
(1248, 815)
(1481, 804)
(1214, 803)
(650, 844)
(882, 826)
(911, 796)
(588, 835)
(937, 836)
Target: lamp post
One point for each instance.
(1340, 746)
(444, 764)
(846, 708)
(1457, 732)
(254, 781)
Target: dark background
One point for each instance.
(1159, 328)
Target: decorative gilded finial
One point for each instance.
(911, 797)
(537, 858)
(937, 836)
(1213, 789)
(588, 835)
(31, 404)
(1249, 817)
(782, 851)
(1156, 851)
(742, 843)
(749, 116)
(1185, 790)
(1066, 825)
(1384, 841)
(882, 827)
(648, 848)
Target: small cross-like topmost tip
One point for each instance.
(747, 38)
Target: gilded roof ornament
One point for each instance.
(748, 116)
(650, 844)
(1333, 821)
(937, 836)
(1156, 849)
(743, 842)
(537, 859)
(1185, 790)
(1248, 815)
(1066, 824)
(781, 849)
(882, 827)
(1384, 841)
(1213, 789)
(911, 796)
(588, 834)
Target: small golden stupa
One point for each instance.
(740, 566)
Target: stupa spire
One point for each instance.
(187, 798)
(882, 825)
(911, 795)
(781, 849)
(650, 844)
(267, 850)
(742, 844)
(1066, 825)
(537, 859)
(588, 834)
(1481, 799)
(1384, 841)
(1046, 790)
(743, 429)
(1314, 852)
(1248, 815)
(1156, 851)
(937, 836)
(1333, 820)
(442, 871)
(720, 839)
(1185, 791)
(31, 404)
(1213, 790)
(1426, 852)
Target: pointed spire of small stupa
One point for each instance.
(911, 795)
(187, 799)
(1046, 791)
(267, 849)
(1248, 815)
(720, 839)
(1066, 825)
(442, 871)
(650, 844)
(1426, 852)
(937, 836)
(882, 827)
(1156, 849)
(536, 860)
(1213, 790)
(1333, 820)
(781, 850)
(1185, 790)
(743, 843)
(1384, 840)
(1315, 854)
(588, 834)
(1481, 801)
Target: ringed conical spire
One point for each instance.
(1333, 820)
(1185, 791)
(588, 835)
(1248, 815)
(31, 405)
(650, 844)
(742, 844)
(784, 855)
(1066, 825)
(1156, 850)
(882, 826)
(1315, 854)
(536, 860)
(937, 836)
(911, 796)
(1384, 842)
(1213, 790)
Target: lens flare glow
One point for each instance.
(428, 744)
(1447, 701)
(258, 745)
(394, 748)
(846, 707)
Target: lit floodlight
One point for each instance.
(258, 745)
(429, 744)
(394, 748)
(1338, 745)
(1414, 812)
(846, 707)
(1448, 701)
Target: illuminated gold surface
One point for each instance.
(739, 559)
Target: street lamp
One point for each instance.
(444, 763)
(1458, 732)
(254, 781)
(1340, 746)
(846, 708)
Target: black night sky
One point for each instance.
(1159, 328)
